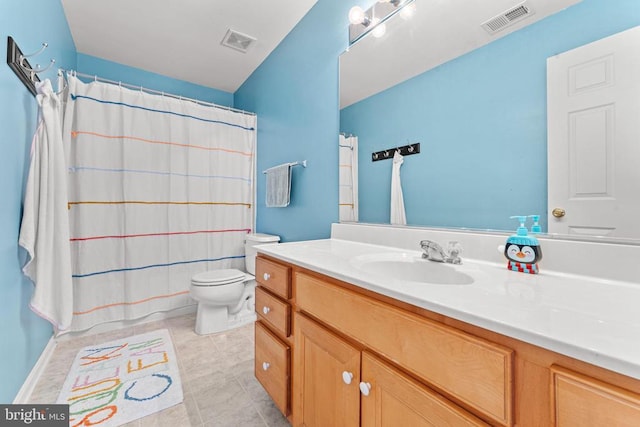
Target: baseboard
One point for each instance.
(24, 394)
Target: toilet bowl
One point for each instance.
(226, 297)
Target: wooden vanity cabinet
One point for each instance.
(341, 355)
(273, 330)
(477, 372)
(331, 375)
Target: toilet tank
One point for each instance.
(250, 252)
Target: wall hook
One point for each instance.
(405, 150)
(44, 46)
(18, 62)
(37, 69)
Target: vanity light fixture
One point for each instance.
(408, 11)
(372, 20)
(357, 16)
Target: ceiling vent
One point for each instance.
(237, 41)
(507, 18)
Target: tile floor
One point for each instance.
(216, 370)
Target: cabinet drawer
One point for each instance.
(272, 366)
(474, 371)
(583, 401)
(272, 310)
(275, 277)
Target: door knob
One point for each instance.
(266, 276)
(558, 212)
(347, 377)
(365, 388)
(265, 365)
(266, 309)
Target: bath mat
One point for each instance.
(120, 381)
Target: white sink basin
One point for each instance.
(411, 268)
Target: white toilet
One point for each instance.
(226, 298)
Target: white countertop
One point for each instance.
(593, 320)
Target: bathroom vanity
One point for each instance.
(338, 344)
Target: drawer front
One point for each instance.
(275, 277)
(272, 366)
(273, 311)
(476, 372)
(579, 400)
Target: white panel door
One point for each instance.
(593, 120)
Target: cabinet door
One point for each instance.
(579, 400)
(325, 378)
(390, 398)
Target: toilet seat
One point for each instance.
(217, 277)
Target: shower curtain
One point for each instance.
(348, 180)
(159, 190)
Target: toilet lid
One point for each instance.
(217, 277)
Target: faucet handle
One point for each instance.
(453, 247)
(426, 243)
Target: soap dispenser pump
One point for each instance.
(535, 228)
(523, 251)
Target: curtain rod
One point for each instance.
(152, 91)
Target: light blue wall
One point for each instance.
(295, 94)
(23, 335)
(118, 72)
(481, 122)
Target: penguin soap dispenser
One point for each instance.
(522, 251)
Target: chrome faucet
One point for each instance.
(434, 252)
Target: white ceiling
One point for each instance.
(181, 38)
(440, 31)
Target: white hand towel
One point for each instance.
(278, 186)
(44, 231)
(397, 201)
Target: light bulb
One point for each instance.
(408, 11)
(356, 15)
(379, 30)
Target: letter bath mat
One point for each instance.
(120, 381)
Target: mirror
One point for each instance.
(475, 100)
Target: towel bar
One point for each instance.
(302, 163)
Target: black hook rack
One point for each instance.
(405, 150)
(17, 61)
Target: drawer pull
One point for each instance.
(266, 309)
(365, 388)
(347, 377)
(265, 366)
(266, 276)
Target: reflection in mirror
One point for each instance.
(348, 179)
(479, 109)
(593, 100)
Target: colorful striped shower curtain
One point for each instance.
(159, 190)
(348, 179)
